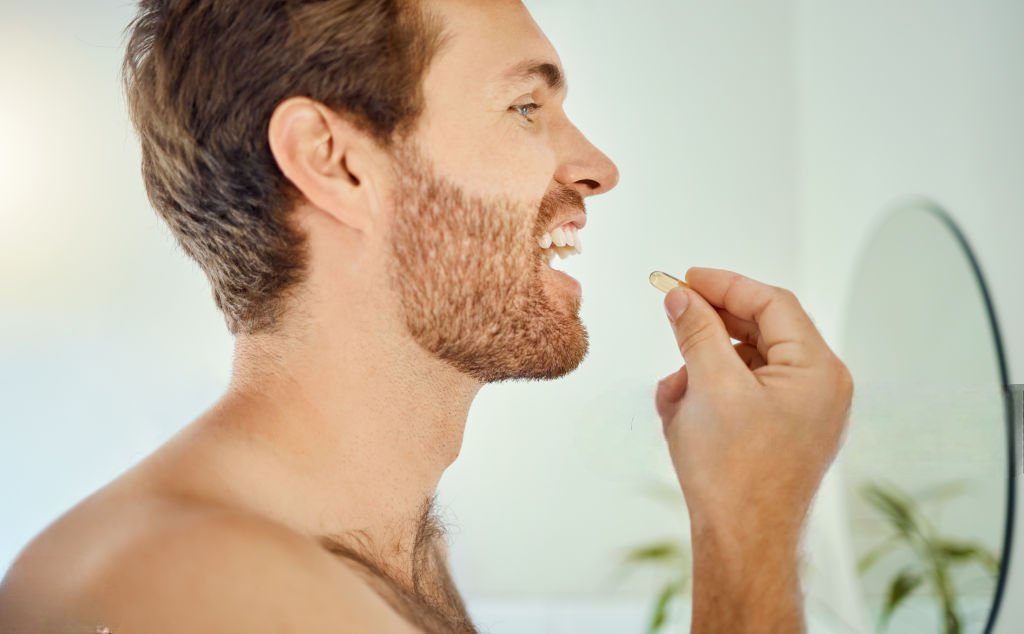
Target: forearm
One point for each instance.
(745, 581)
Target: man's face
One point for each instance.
(484, 177)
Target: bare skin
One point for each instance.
(302, 498)
(751, 429)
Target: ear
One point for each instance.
(326, 158)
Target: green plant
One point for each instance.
(671, 556)
(933, 555)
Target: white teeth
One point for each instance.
(562, 241)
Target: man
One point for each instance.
(370, 186)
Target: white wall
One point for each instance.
(108, 338)
(914, 97)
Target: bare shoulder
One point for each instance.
(204, 569)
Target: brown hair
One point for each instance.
(202, 79)
(419, 588)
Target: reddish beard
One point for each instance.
(468, 273)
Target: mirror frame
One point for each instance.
(938, 212)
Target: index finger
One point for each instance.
(787, 332)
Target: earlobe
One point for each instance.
(313, 148)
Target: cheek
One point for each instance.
(524, 170)
(513, 161)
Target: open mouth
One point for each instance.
(562, 241)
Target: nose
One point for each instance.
(584, 167)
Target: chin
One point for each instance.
(567, 364)
(546, 360)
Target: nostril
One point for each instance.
(592, 184)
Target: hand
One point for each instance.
(751, 427)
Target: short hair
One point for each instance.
(202, 79)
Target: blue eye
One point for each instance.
(526, 110)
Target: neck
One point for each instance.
(339, 429)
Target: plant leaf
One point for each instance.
(655, 553)
(899, 589)
(894, 505)
(955, 551)
(660, 614)
(869, 558)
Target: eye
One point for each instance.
(526, 109)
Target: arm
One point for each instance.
(745, 583)
(751, 429)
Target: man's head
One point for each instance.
(405, 134)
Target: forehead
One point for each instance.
(489, 44)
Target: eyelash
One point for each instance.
(533, 107)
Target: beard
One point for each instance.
(470, 277)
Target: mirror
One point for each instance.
(927, 463)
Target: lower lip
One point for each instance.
(564, 280)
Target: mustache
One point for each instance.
(556, 202)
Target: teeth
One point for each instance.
(563, 242)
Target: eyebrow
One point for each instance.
(529, 69)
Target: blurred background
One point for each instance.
(770, 138)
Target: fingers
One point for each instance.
(742, 330)
(701, 335)
(750, 356)
(670, 391)
(787, 334)
(672, 388)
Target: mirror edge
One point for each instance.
(1009, 395)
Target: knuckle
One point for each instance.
(696, 335)
(847, 382)
(786, 295)
(737, 284)
(844, 379)
(754, 339)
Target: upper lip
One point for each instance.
(578, 219)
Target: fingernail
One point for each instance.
(676, 302)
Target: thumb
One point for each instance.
(701, 335)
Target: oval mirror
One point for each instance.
(928, 460)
